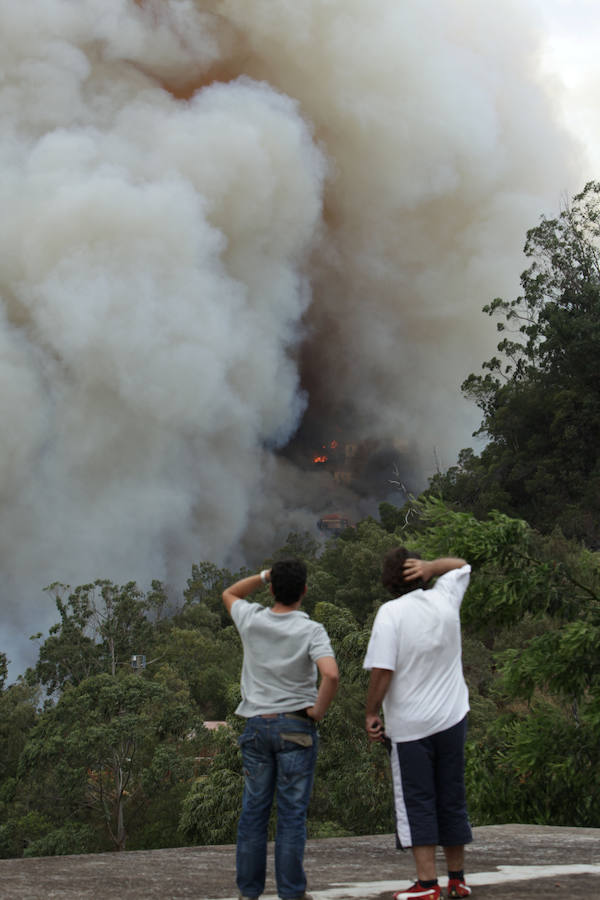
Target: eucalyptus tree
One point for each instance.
(101, 626)
(540, 397)
(100, 754)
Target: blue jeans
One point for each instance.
(279, 754)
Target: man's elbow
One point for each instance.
(328, 667)
(334, 678)
(332, 675)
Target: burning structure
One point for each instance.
(225, 225)
(364, 466)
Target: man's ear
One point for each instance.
(305, 590)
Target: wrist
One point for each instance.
(265, 576)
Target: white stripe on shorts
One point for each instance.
(402, 823)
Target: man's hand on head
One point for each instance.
(413, 569)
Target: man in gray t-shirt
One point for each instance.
(284, 652)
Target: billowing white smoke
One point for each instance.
(151, 287)
(444, 152)
(350, 180)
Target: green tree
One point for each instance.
(348, 572)
(18, 714)
(352, 794)
(212, 807)
(121, 757)
(207, 661)
(204, 589)
(3, 670)
(540, 397)
(101, 626)
(106, 747)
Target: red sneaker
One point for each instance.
(418, 892)
(457, 888)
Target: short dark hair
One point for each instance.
(288, 580)
(392, 575)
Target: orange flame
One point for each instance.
(319, 459)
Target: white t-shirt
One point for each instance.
(418, 637)
(279, 672)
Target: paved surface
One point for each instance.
(505, 862)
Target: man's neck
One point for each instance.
(282, 608)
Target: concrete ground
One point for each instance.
(519, 862)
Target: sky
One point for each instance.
(234, 229)
(570, 59)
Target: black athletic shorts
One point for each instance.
(428, 777)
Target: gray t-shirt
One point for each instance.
(279, 673)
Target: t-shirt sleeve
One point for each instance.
(241, 612)
(382, 652)
(320, 645)
(454, 584)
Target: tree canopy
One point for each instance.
(114, 758)
(540, 398)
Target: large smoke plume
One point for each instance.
(227, 221)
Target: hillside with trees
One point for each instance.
(96, 755)
(116, 759)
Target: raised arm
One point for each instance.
(245, 586)
(328, 669)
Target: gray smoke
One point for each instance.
(222, 219)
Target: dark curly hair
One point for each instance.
(288, 580)
(392, 575)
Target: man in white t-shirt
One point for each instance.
(284, 651)
(415, 658)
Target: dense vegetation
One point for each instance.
(115, 759)
(96, 756)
